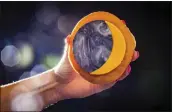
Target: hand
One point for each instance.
(76, 86)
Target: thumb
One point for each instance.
(64, 68)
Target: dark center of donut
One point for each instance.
(92, 45)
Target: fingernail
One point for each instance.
(129, 69)
(123, 21)
(67, 39)
(135, 56)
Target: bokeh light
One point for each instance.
(37, 69)
(26, 55)
(66, 23)
(27, 102)
(25, 75)
(10, 56)
(51, 60)
(48, 13)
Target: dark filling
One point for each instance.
(92, 45)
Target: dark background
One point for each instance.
(149, 85)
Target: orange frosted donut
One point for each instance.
(114, 59)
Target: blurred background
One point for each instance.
(32, 40)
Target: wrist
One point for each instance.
(52, 96)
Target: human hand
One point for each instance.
(76, 86)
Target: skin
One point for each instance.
(59, 83)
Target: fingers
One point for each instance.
(135, 55)
(67, 42)
(100, 88)
(128, 70)
(67, 39)
(126, 73)
(123, 21)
